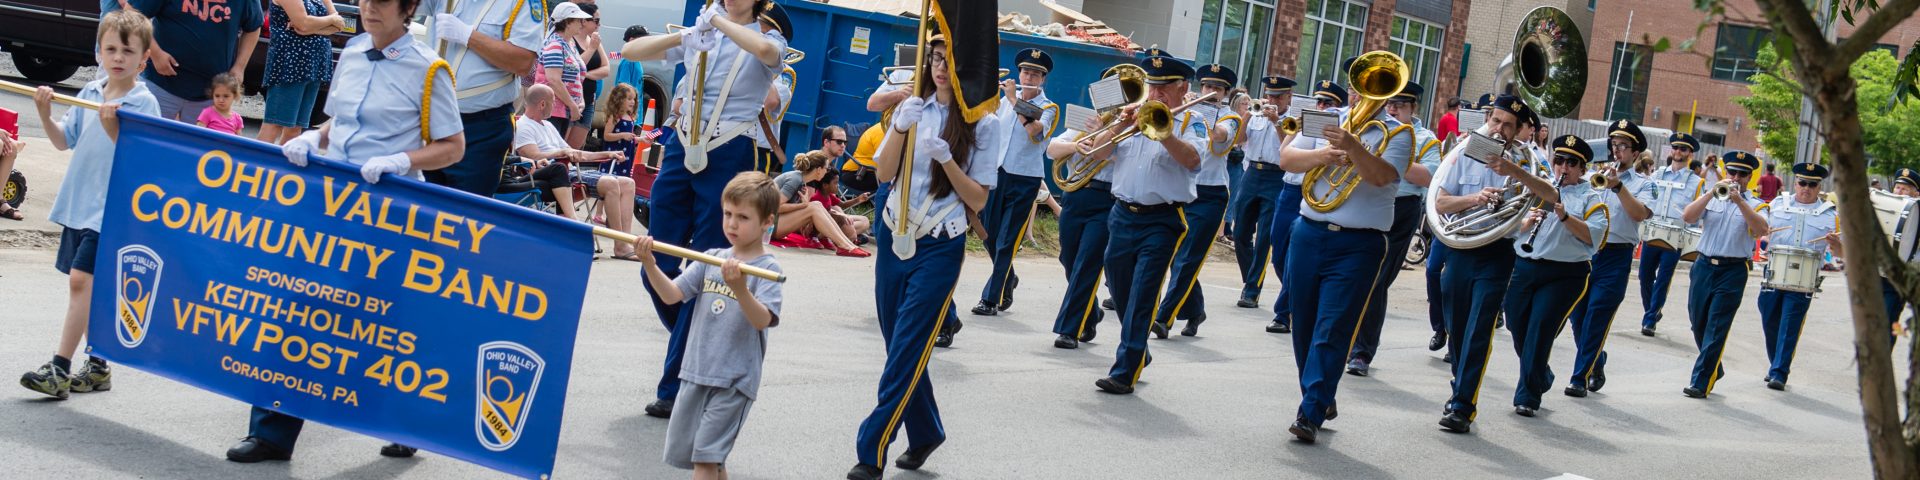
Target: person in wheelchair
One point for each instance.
(9, 151)
(538, 142)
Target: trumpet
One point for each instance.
(1600, 180)
(1155, 121)
(1723, 190)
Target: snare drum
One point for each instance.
(1668, 234)
(1792, 269)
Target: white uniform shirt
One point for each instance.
(1144, 173)
(1369, 206)
(483, 85)
(981, 166)
(1554, 242)
(749, 88)
(1723, 229)
(1625, 230)
(1804, 223)
(1673, 190)
(1213, 155)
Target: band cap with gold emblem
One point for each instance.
(776, 16)
(1332, 91)
(1573, 146)
(1738, 161)
(1630, 131)
(1218, 75)
(1162, 70)
(1277, 85)
(1035, 59)
(1485, 102)
(1681, 139)
(1907, 176)
(1811, 171)
(1517, 107)
(1410, 93)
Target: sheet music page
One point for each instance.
(1077, 117)
(1482, 148)
(1471, 120)
(1300, 103)
(904, 53)
(1107, 93)
(1313, 121)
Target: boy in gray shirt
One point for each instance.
(727, 340)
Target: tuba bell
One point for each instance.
(1376, 76)
(1550, 59)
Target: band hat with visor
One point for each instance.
(1277, 85)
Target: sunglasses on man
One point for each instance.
(1807, 183)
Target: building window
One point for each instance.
(1330, 34)
(1419, 44)
(1627, 83)
(1735, 50)
(1234, 33)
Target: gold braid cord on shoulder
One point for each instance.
(426, 98)
(1602, 209)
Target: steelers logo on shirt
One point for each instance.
(719, 306)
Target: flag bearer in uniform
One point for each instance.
(1152, 180)
(1260, 190)
(741, 64)
(383, 68)
(1224, 129)
(1022, 175)
(1728, 227)
(1626, 198)
(1328, 97)
(952, 173)
(1330, 275)
(1803, 221)
(1674, 188)
(1408, 212)
(1555, 259)
(1475, 280)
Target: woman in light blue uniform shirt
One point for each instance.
(1728, 227)
(951, 174)
(1550, 277)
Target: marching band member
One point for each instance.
(1805, 221)
(774, 106)
(1260, 191)
(1152, 181)
(952, 173)
(487, 44)
(1674, 187)
(1407, 215)
(1329, 282)
(1475, 279)
(1626, 200)
(1203, 215)
(1728, 227)
(1906, 184)
(1022, 175)
(1083, 243)
(383, 68)
(1550, 277)
(742, 65)
(1328, 97)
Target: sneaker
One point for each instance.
(94, 376)
(50, 379)
(660, 409)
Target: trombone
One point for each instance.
(1377, 76)
(1076, 172)
(1155, 121)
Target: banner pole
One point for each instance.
(57, 98)
(620, 236)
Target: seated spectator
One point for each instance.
(858, 174)
(539, 142)
(9, 151)
(798, 213)
(826, 192)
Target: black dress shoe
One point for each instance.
(1691, 392)
(1576, 391)
(1066, 342)
(1107, 304)
(1109, 385)
(1525, 411)
(1304, 432)
(1776, 384)
(1647, 331)
(1333, 411)
(1087, 333)
(986, 309)
(1006, 299)
(1193, 326)
(1277, 327)
(943, 340)
(395, 450)
(1357, 367)
(1456, 423)
(1158, 330)
(864, 472)
(254, 450)
(1438, 342)
(660, 408)
(1248, 300)
(1448, 358)
(914, 457)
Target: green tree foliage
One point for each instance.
(1892, 135)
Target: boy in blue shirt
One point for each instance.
(123, 39)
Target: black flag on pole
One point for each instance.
(973, 52)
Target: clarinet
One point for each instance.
(1527, 246)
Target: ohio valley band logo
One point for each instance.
(509, 375)
(138, 279)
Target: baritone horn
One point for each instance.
(1079, 170)
(1376, 76)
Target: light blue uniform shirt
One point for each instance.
(1468, 177)
(376, 105)
(82, 200)
(1144, 173)
(481, 83)
(749, 88)
(1026, 155)
(1673, 190)
(1369, 207)
(1723, 231)
(1069, 135)
(1213, 155)
(1555, 243)
(1804, 223)
(981, 166)
(1431, 160)
(1625, 230)
(1265, 138)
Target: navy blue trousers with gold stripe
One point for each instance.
(1782, 314)
(1139, 251)
(1329, 286)
(1593, 318)
(1284, 214)
(1718, 283)
(1008, 209)
(1407, 214)
(686, 212)
(1254, 202)
(1183, 298)
(914, 298)
(1539, 297)
(1475, 284)
(1083, 252)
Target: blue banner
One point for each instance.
(404, 311)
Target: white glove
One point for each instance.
(297, 149)
(397, 164)
(704, 24)
(908, 113)
(699, 42)
(450, 28)
(935, 148)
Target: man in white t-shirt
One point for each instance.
(537, 141)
